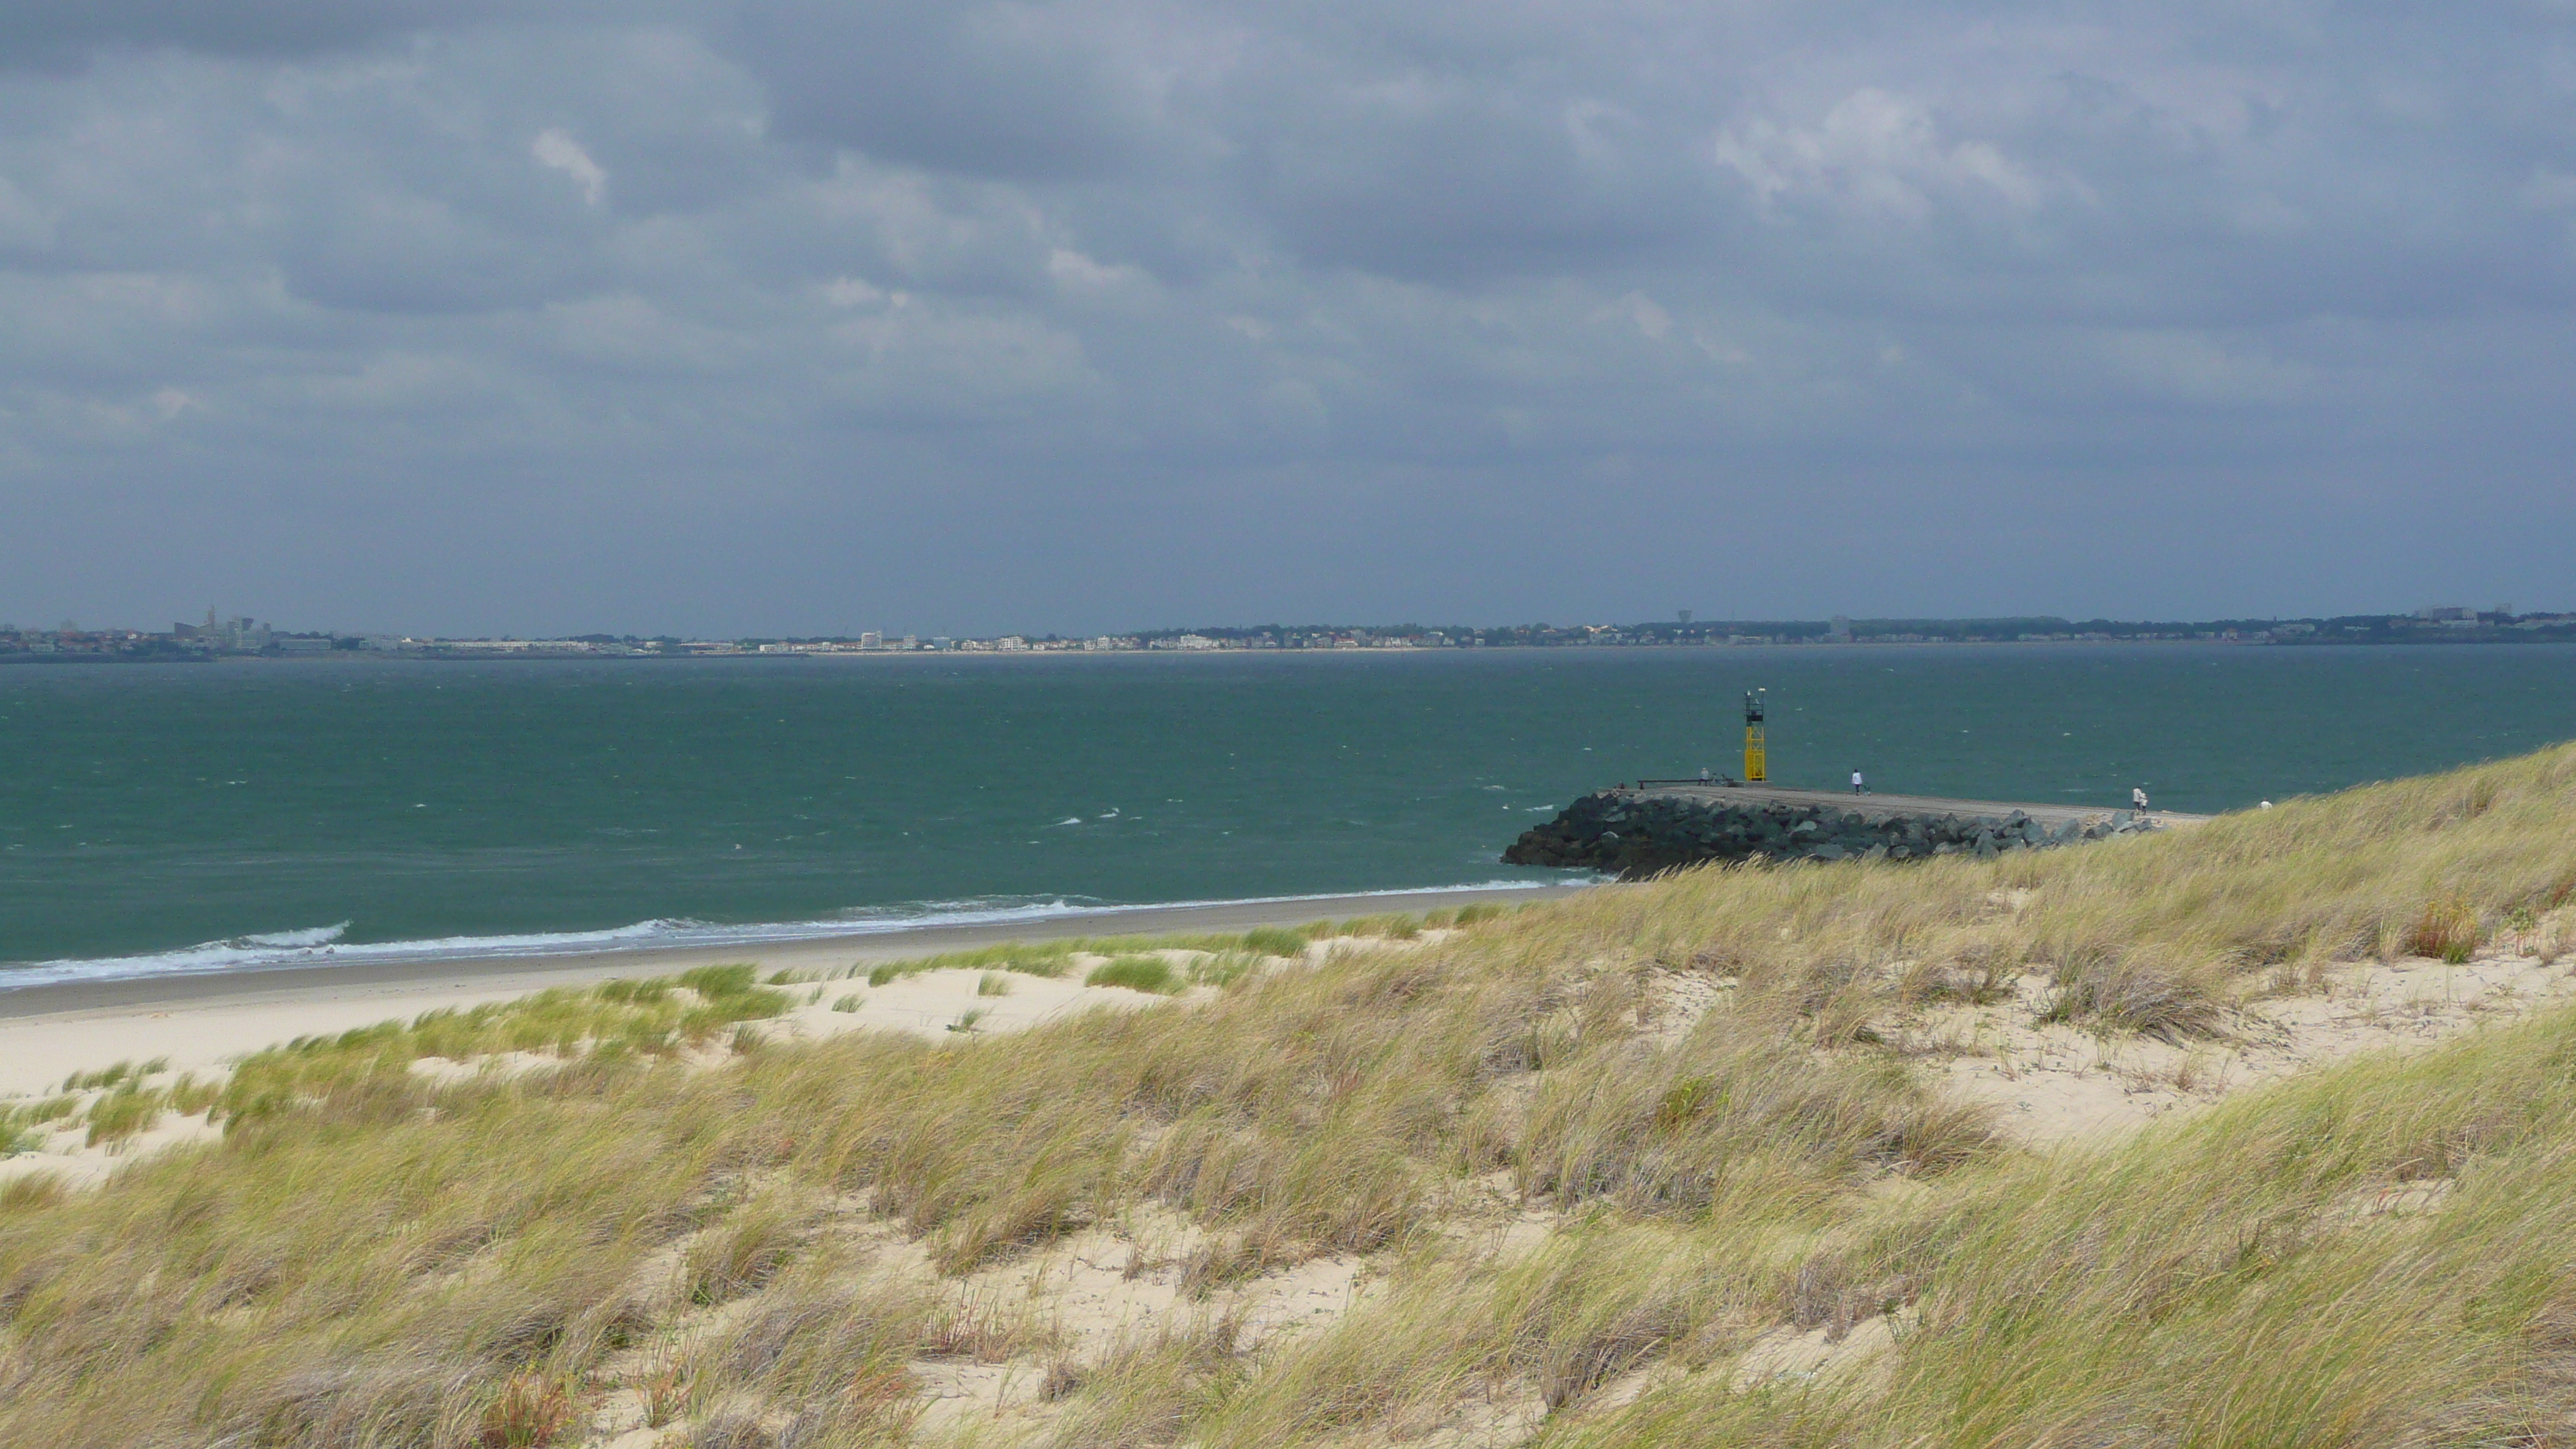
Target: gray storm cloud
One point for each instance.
(776, 316)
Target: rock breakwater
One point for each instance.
(1637, 833)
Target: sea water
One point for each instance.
(202, 817)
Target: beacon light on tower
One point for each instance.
(1755, 765)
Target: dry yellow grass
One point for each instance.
(2277, 1272)
(760, 1253)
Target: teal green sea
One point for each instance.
(198, 817)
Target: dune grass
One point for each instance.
(18, 1136)
(371, 1256)
(1055, 958)
(1045, 958)
(625, 1018)
(124, 1112)
(375, 1255)
(25, 1128)
(2240, 1279)
(1278, 940)
(1136, 973)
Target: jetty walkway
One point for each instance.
(1656, 825)
(1880, 807)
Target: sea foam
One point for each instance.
(326, 946)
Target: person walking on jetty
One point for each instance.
(1857, 787)
(2138, 798)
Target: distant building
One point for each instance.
(872, 640)
(243, 636)
(1840, 631)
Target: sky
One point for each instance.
(954, 317)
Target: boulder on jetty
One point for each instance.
(1638, 833)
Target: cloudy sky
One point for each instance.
(954, 316)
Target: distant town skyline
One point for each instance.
(245, 636)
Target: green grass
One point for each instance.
(107, 1076)
(1055, 958)
(1278, 940)
(615, 1020)
(51, 1109)
(188, 1096)
(718, 982)
(1136, 973)
(1394, 927)
(26, 1127)
(122, 1113)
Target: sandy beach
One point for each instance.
(199, 1021)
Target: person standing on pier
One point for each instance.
(1857, 787)
(2138, 798)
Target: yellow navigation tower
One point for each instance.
(1756, 766)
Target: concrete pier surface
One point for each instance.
(1875, 808)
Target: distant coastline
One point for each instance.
(244, 638)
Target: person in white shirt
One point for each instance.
(1857, 787)
(2138, 798)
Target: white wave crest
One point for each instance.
(324, 945)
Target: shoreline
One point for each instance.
(1028, 920)
(1372, 650)
(199, 1020)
